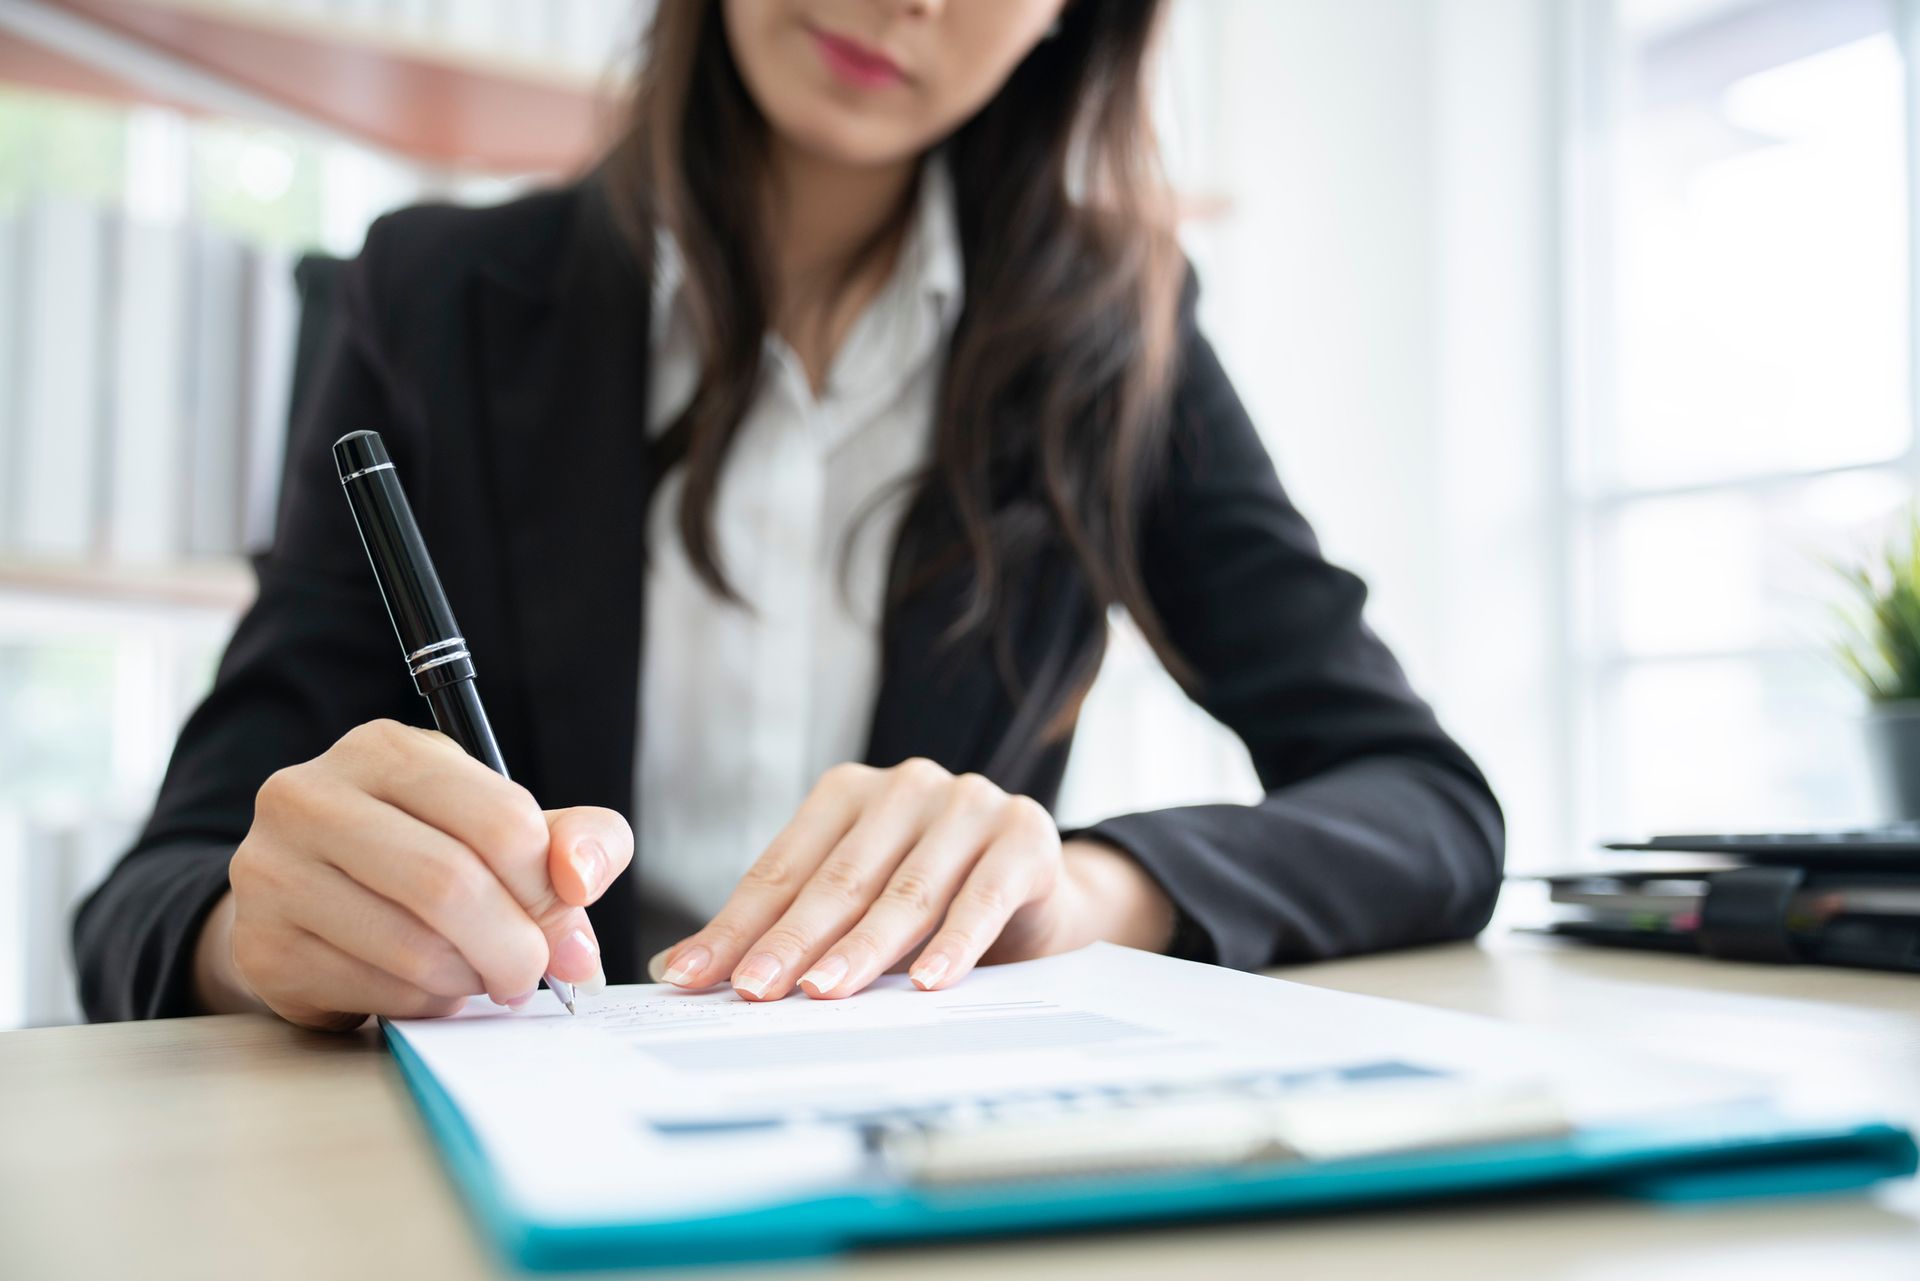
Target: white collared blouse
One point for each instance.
(743, 708)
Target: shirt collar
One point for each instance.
(930, 262)
(933, 254)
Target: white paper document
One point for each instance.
(654, 1103)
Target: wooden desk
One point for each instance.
(238, 1147)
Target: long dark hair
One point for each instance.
(1054, 399)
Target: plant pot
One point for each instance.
(1893, 741)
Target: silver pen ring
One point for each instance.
(449, 643)
(440, 662)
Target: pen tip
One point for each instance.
(570, 1009)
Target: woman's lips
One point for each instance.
(855, 63)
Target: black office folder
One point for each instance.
(1774, 912)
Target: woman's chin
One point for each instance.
(857, 139)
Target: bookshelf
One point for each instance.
(493, 106)
(26, 63)
(445, 93)
(219, 585)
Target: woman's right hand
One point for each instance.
(396, 875)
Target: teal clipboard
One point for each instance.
(1726, 1153)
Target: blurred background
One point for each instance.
(1582, 328)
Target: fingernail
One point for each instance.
(825, 976)
(595, 985)
(929, 970)
(657, 966)
(589, 861)
(577, 953)
(687, 965)
(757, 975)
(515, 1002)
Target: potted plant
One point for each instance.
(1881, 649)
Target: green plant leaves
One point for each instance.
(1879, 641)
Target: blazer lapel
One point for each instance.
(936, 701)
(950, 703)
(562, 403)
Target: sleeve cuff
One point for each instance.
(1191, 940)
(134, 940)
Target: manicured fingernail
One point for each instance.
(757, 975)
(929, 970)
(589, 861)
(686, 965)
(825, 976)
(594, 986)
(576, 954)
(657, 965)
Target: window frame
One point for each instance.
(1592, 665)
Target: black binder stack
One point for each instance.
(1839, 898)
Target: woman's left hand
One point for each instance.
(876, 860)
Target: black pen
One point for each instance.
(435, 651)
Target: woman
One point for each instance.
(860, 381)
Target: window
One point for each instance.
(1746, 415)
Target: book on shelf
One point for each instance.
(58, 419)
(479, 26)
(12, 337)
(217, 397)
(414, 18)
(579, 36)
(148, 420)
(61, 859)
(274, 306)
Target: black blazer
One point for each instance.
(502, 353)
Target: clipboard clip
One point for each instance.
(1217, 1130)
